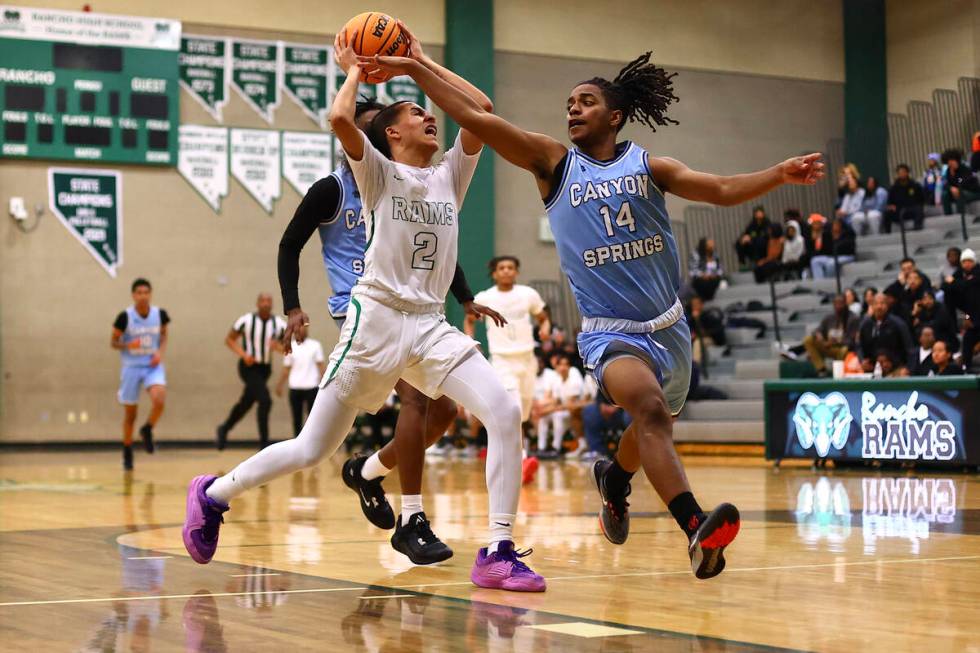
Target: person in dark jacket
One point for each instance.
(751, 245)
(840, 240)
(943, 363)
(772, 262)
(962, 292)
(883, 332)
(960, 186)
(927, 314)
(905, 200)
(705, 270)
(922, 361)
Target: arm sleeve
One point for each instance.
(536, 304)
(371, 174)
(239, 324)
(121, 321)
(461, 167)
(320, 204)
(459, 287)
(164, 317)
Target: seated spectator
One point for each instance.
(705, 270)
(851, 203)
(813, 237)
(928, 314)
(868, 218)
(845, 174)
(900, 287)
(841, 243)
(868, 300)
(932, 180)
(794, 250)
(962, 291)
(975, 157)
(833, 338)
(882, 332)
(600, 418)
(751, 245)
(770, 264)
(922, 362)
(913, 291)
(706, 324)
(792, 215)
(569, 394)
(951, 264)
(943, 363)
(905, 201)
(890, 367)
(851, 299)
(960, 186)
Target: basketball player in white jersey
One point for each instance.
(395, 327)
(512, 345)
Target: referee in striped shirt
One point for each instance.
(253, 338)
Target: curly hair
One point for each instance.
(642, 91)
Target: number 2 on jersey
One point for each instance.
(624, 218)
(426, 243)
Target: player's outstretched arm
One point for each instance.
(342, 109)
(536, 153)
(675, 177)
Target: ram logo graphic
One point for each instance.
(823, 422)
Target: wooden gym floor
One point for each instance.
(91, 560)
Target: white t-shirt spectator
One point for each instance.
(518, 305)
(547, 384)
(572, 388)
(302, 363)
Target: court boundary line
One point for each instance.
(309, 590)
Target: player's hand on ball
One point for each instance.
(343, 51)
(294, 320)
(391, 66)
(808, 169)
(479, 310)
(414, 44)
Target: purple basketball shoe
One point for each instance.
(204, 518)
(503, 570)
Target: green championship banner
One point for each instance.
(404, 89)
(305, 78)
(203, 161)
(204, 65)
(366, 91)
(89, 204)
(255, 74)
(306, 157)
(255, 163)
(85, 86)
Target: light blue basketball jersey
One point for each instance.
(145, 330)
(343, 240)
(613, 236)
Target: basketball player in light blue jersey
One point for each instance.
(140, 335)
(605, 202)
(332, 206)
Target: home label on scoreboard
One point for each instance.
(81, 86)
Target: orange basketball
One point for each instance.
(375, 33)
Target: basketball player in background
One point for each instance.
(512, 345)
(605, 202)
(140, 335)
(332, 207)
(397, 328)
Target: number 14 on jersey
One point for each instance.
(624, 218)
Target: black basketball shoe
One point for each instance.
(614, 517)
(707, 548)
(220, 437)
(418, 542)
(374, 503)
(127, 457)
(146, 432)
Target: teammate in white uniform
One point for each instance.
(395, 327)
(512, 345)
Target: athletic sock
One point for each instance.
(411, 504)
(501, 530)
(687, 513)
(373, 468)
(224, 488)
(616, 478)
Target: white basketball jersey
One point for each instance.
(517, 305)
(412, 217)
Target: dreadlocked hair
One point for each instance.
(642, 91)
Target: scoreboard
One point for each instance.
(88, 87)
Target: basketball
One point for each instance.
(377, 33)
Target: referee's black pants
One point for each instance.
(255, 377)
